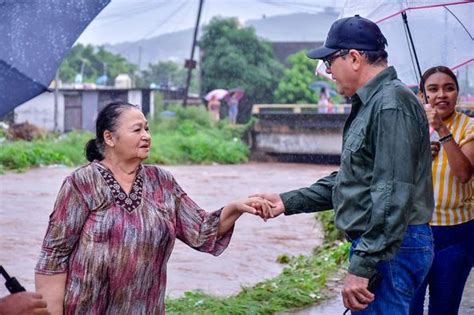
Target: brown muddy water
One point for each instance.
(27, 199)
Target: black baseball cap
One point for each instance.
(351, 33)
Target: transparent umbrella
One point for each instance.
(237, 93)
(441, 33)
(318, 85)
(217, 93)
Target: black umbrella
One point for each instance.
(35, 36)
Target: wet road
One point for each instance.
(27, 200)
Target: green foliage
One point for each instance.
(283, 259)
(92, 60)
(167, 74)
(294, 86)
(192, 137)
(159, 105)
(67, 150)
(302, 283)
(331, 233)
(235, 57)
(164, 73)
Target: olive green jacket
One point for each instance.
(384, 181)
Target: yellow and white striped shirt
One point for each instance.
(454, 203)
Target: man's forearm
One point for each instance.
(317, 197)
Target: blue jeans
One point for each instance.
(233, 110)
(403, 274)
(452, 264)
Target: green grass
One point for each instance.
(302, 283)
(190, 137)
(21, 155)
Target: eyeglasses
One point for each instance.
(330, 59)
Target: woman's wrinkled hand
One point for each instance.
(255, 205)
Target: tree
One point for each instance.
(294, 86)
(92, 61)
(164, 73)
(167, 74)
(234, 56)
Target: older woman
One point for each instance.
(115, 221)
(453, 218)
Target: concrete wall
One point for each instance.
(90, 102)
(40, 111)
(135, 97)
(152, 104)
(281, 130)
(325, 143)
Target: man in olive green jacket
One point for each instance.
(382, 194)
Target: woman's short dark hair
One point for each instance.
(106, 120)
(428, 73)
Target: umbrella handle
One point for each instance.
(422, 83)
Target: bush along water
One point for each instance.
(189, 136)
(302, 283)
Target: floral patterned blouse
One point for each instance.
(114, 247)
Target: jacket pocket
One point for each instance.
(352, 145)
(354, 142)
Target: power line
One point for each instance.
(128, 13)
(155, 28)
(307, 7)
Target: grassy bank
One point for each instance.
(190, 136)
(302, 283)
(187, 137)
(67, 149)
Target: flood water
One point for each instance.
(27, 199)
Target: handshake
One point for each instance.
(265, 205)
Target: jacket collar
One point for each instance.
(366, 92)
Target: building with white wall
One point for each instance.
(78, 108)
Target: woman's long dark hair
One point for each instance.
(428, 73)
(106, 120)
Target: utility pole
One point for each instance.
(139, 58)
(191, 63)
(56, 92)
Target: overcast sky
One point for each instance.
(131, 20)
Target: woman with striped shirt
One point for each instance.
(452, 222)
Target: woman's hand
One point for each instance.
(435, 121)
(232, 212)
(277, 206)
(435, 147)
(433, 118)
(254, 205)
